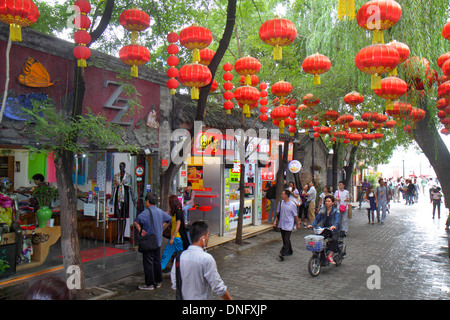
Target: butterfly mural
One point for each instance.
(35, 75)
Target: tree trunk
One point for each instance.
(335, 163)
(69, 234)
(435, 150)
(349, 169)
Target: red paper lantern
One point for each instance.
(446, 31)
(345, 119)
(172, 61)
(444, 90)
(442, 103)
(378, 15)
(282, 89)
(195, 38)
(354, 98)
(247, 67)
(403, 51)
(195, 76)
(134, 20)
(355, 138)
(417, 115)
(206, 55)
(18, 14)
(391, 89)
(278, 33)
(228, 86)
(82, 37)
(375, 60)
(82, 53)
(134, 55)
(316, 64)
(247, 96)
(280, 114)
(416, 68)
(310, 100)
(400, 111)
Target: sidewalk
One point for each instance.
(410, 250)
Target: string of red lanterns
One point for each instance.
(18, 14)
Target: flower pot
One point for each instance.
(43, 215)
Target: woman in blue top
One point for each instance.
(329, 217)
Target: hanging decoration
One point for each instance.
(446, 31)
(378, 15)
(263, 102)
(403, 51)
(417, 114)
(134, 55)
(228, 86)
(195, 76)
(400, 111)
(18, 14)
(279, 115)
(346, 8)
(316, 64)
(282, 89)
(310, 100)
(247, 66)
(206, 55)
(82, 37)
(195, 38)
(278, 33)
(172, 61)
(392, 88)
(375, 60)
(248, 97)
(354, 99)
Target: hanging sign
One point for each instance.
(294, 166)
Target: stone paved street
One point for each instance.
(410, 249)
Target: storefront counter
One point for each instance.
(232, 213)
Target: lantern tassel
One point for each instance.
(346, 8)
(281, 126)
(196, 55)
(246, 110)
(248, 79)
(228, 111)
(316, 79)
(389, 105)
(134, 71)
(375, 81)
(195, 93)
(15, 32)
(393, 73)
(134, 37)
(377, 37)
(172, 91)
(81, 63)
(277, 53)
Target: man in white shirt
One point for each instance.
(312, 193)
(198, 269)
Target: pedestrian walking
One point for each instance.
(152, 221)
(382, 199)
(326, 192)
(397, 186)
(198, 275)
(271, 196)
(436, 198)
(342, 199)
(410, 192)
(286, 215)
(312, 193)
(179, 240)
(303, 209)
(371, 197)
(366, 184)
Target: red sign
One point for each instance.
(268, 172)
(164, 162)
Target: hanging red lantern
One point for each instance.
(354, 98)
(345, 119)
(280, 114)
(416, 68)
(442, 103)
(172, 61)
(378, 15)
(82, 37)
(18, 14)
(282, 89)
(446, 31)
(134, 20)
(370, 117)
(316, 64)
(375, 60)
(206, 55)
(247, 96)
(331, 116)
(442, 59)
(263, 101)
(247, 67)
(417, 115)
(400, 111)
(310, 100)
(228, 86)
(278, 33)
(444, 90)
(390, 124)
(195, 76)
(355, 138)
(403, 51)
(391, 89)
(134, 55)
(195, 38)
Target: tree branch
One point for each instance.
(104, 22)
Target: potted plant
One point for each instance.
(44, 195)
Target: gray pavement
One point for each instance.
(406, 258)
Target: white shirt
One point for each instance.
(199, 275)
(342, 195)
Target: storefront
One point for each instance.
(214, 173)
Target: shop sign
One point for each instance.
(214, 144)
(294, 166)
(268, 172)
(232, 214)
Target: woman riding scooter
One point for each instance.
(329, 217)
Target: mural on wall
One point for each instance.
(35, 75)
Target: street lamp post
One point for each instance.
(311, 136)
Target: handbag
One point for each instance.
(342, 208)
(365, 205)
(149, 241)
